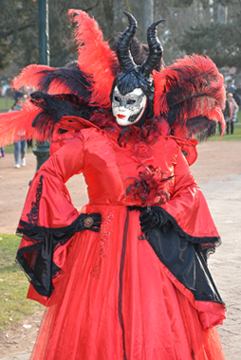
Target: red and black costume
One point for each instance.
(138, 286)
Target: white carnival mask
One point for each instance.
(128, 109)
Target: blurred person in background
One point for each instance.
(20, 146)
(226, 114)
(233, 113)
(1, 155)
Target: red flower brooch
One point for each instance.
(150, 186)
(142, 151)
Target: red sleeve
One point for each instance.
(48, 202)
(187, 205)
(48, 209)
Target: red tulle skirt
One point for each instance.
(115, 301)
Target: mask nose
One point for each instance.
(122, 103)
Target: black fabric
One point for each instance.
(150, 219)
(121, 274)
(36, 259)
(156, 216)
(179, 252)
(185, 262)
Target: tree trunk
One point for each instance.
(148, 6)
(148, 10)
(222, 14)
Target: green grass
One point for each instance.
(13, 286)
(239, 116)
(235, 137)
(6, 103)
(9, 149)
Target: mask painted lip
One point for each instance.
(120, 116)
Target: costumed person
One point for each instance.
(139, 288)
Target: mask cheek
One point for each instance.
(138, 112)
(135, 116)
(114, 112)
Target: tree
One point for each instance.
(201, 26)
(19, 31)
(221, 38)
(18, 18)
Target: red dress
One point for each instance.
(114, 298)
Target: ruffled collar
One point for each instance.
(148, 133)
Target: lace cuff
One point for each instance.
(35, 254)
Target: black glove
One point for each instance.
(88, 222)
(152, 218)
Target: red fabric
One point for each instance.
(160, 317)
(188, 205)
(188, 147)
(159, 320)
(95, 58)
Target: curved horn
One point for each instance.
(123, 52)
(155, 49)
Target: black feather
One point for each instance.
(71, 76)
(201, 127)
(54, 107)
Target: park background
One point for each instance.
(210, 27)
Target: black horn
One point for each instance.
(123, 46)
(155, 49)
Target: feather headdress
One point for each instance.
(189, 94)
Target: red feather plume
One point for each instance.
(30, 76)
(95, 57)
(191, 88)
(34, 76)
(16, 125)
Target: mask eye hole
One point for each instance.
(131, 102)
(117, 98)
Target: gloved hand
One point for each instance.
(151, 218)
(89, 222)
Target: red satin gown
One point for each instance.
(114, 299)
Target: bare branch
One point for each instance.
(17, 29)
(92, 7)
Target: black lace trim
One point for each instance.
(60, 234)
(36, 259)
(34, 212)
